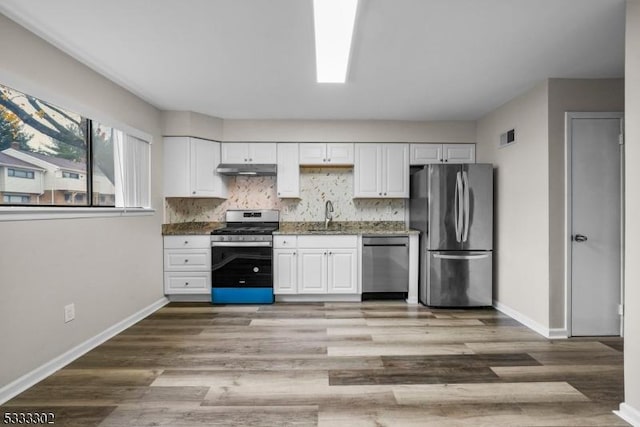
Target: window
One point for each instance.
(16, 198)
(82, 162)
(71, 175)
(18, 173)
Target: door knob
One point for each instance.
(580, 238)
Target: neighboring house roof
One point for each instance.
(61, 163)
(6, 160)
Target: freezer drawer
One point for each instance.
(458, 279)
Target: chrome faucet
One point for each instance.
(328, 211)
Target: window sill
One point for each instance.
(27, 213)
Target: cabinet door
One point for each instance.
(288, 175)
(235, 152)
(395, 170)
(205, 182)
(262, 152)
(285, 271)
(340, 154)
(367, 171)
(312, 153)
(424, 154)
(459, 153)
(343, 278)
(176, 166)
(312, 271)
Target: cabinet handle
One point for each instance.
(251, 160)
(325, 253)
(186, 283)
(295, 253)
(446, 160)
(330, 253)
(380, 194)
(186, 260)
(324, 160)
(278, 193)
(440, 159)
(193, 192)
(246, 160)
(385, 194)
(186, 242)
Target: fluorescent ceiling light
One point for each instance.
(334, 21)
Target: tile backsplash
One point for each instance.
(317, 185)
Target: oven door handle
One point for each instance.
(241, 244)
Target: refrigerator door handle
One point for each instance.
(465, 196)
(457, 212)
(463, 257)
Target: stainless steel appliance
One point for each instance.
(452, 206)
(385, 266)
(241, 257)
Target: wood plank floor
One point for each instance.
(334, 364)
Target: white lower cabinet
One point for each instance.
(187, 265)
(312, 271)
(315, 265)
(285, 272)
(342, 267)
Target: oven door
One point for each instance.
(241, 265)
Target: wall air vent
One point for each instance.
(507, 138)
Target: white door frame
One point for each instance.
(569, 212)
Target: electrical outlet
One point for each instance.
(69, 312)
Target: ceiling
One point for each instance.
(410, 60)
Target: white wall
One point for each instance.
(521, 242)
(49, 263)
(632, 231)
(348, 131)
(188, 123)
(569, 95)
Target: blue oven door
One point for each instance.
(241, 273)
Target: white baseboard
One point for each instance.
(553, 333)
(629, 414)
(31, 378)
(319, 298)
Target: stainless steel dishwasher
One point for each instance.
(385, 266)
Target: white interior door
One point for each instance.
(596, 222)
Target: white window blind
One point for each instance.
(132, 157)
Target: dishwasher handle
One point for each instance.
(385, 245)
(385, 241)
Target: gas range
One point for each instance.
(247, 226)
(241, 258)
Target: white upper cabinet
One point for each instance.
(459, 153)
(288, 178)
(320, 153)
(190, 168)
(424, 154)
(381, 171)
(249, 152)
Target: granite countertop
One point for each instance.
(190, 228)
(341, 227)
(346, 227)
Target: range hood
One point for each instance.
(246, 169)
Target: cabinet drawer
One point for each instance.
(187, 259)
(187, 283)
(187, 242)
(330, 241)
(284, 241)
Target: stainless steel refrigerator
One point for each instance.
(452, 206)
